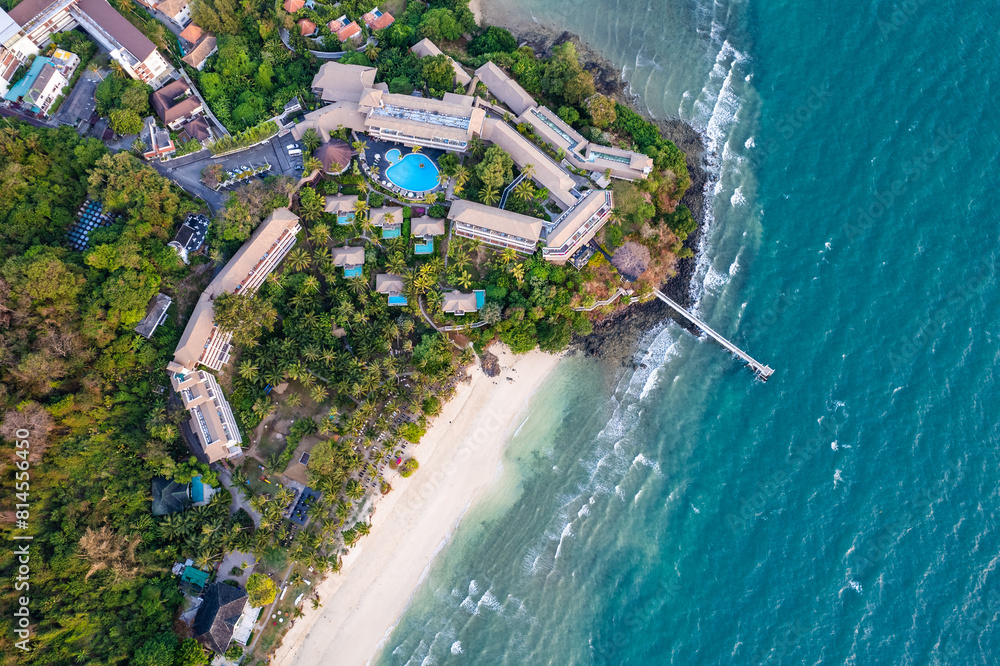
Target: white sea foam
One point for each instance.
(749, 143)
(473, 587)
(584, 511)
(738, 199)
(489, 601)
(468, 605)
(456, 647)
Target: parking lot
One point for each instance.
(80, 104)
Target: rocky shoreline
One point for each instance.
(616, 337)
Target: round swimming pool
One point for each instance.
(414, 172)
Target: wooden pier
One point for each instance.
(762, 370)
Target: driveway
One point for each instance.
(80, 104)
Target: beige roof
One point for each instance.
(426, 226)
(192, 342)
(343, 83)
(548, 174)
(495, 219)
(200, 53)
(573, 219)
(371, 97)
(387, 283)
(341, 203)
(348, 256)
(426, 47)
(638, 161)
(377, 215)
(458, 106)
(456, 301)
(505, 88)
(172, 7)
(329, 118)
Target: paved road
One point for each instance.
(186, 171)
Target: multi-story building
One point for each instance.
(36, 20)
(212, 421)
(494, 226)
(40, 86)
(577, 225)
(204, 343)
(175, 104)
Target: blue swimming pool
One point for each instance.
(413, 172)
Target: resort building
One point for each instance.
(457, 303)
(577, 225)
(496, 227)
(505, 89)
(378, 20)
(28, 26)
(352, 259)
(387, 218)
(205, 343)
(65, 61)
(548, 174)
(335, 156)
(392, 286)
(356, 102)
(423, 230)
(426, 47)
(156, 314)
(341, 205)
(345, 29)
(212, 421)
(175, 105)
(40, 86)
(221, 612)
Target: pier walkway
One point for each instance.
(762, 370)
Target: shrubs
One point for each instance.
(261, 590)
(681, 222)
(376, 200)
(408, 467)
(493, 40)
(412, 432)
(244, 139)
(437, 211)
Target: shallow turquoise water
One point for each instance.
(846, 511)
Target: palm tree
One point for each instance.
(396, 264)
(298, 259)
(319, 234)
(528, 170)
(311, 208)
(476, 146)
(524, 190)
(311, 139)
(488, 196)
(318, 393)
(616, 216)
(508, 255)
(372, 52)
(311, 165)
(118, 70)
(416, 149)
(461, 176)
(508, 116)
(248, 370)
(359, 146)
(463, 280)
(310, 285)
(443, 178)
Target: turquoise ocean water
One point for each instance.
(846, 511)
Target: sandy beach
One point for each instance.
(459, 457)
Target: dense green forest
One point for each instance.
(75, 375)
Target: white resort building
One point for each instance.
(212, 421)
(27, 27)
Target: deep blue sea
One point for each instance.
(846, 512)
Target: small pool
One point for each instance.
(345, 219)
(413, 172)
(480, 298)
(427, 247)
(397, 300)
(353, 271)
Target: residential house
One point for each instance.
(169, 496)
(457, 303)
(196, 129)
(178, 11)
(342, 83)
(157, 140)
(175, 104)
(200, 52)
(191, 34)
(221, 610)
(426, 47)
(156, 314)
(496, 227)
(345, 29)
(40, 86)
(292, 6)
(392, 286)
(352, 259)
(212, 422)
(378, 20)
(65, 61)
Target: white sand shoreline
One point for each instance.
(459, 457)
